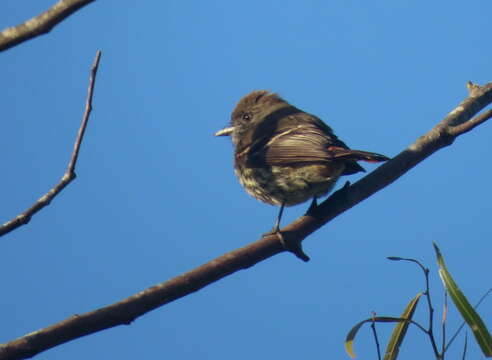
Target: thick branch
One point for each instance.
(69, 175)
(40, 24)
(125, 311)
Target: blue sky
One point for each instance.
(156, 195)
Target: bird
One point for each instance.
(284, 156)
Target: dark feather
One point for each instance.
(306, 143)
(297, 144)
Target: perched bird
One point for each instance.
(284, 156)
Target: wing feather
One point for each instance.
(302, 143)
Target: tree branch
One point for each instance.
(40, 24)
(457, 122)
(69, 175)
(127, 310)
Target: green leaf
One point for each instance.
(476, 324)
(400, 330)
(349, 340)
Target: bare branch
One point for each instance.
(127, 310)
(40, 24)
(69, 175)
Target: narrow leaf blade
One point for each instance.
(400, 330)
(476, 324)
(349, 340)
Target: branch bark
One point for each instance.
(457, 122)
(40, 24)
(69, 175)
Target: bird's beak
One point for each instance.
(225, 131)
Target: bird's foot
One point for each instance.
(289, 243)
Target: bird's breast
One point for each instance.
(289, 185)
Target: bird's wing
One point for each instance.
(297, 144)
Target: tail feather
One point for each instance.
(352, 156)
(367, 156)
(356, 155)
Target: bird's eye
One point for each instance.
(247, 116)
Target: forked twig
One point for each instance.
(69, 175)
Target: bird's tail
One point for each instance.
(356, 155)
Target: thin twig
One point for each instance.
(430, 330)
(125, 311)
(85, 118)
(465, 347)
(375, 334)
(69, 175)
(40, 24)
(471, 124)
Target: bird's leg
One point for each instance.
(276, 228)
(288, 242)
